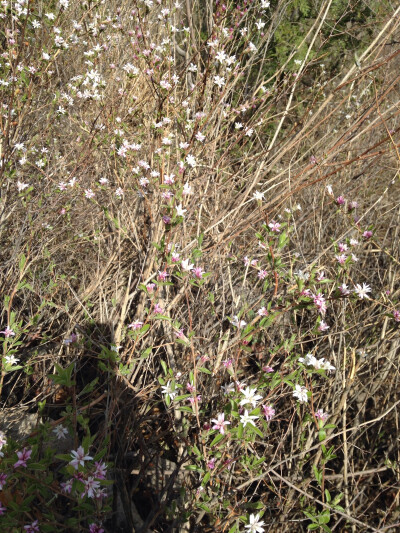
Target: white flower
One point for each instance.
(362, 291)
(300, 393)
(254, 525)
(167, 389)
(60, 431)
(219, 81)
(11, 360)
(21, 186)
(258, 195)
(79, 458)
(238, 323)
(180, 211)
(186, 265)
(190, 160)
(250, 396)
(247, 419)
(187, 189)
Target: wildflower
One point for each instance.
(198, 272)
(175, 257)
(267, 369)
(193, 400)
(362, 291)
(274, 226)
(255, 524)
(247, 419)
(119, 192)
(258, 195)
(168, 390)
(396, 315)
(32, 528)
(158, 309)
(250, 397)
(162, 276)
(21, 186)
(94, 528)
(91, 487)
(8, 332)
(238, 323)
(341, 259)
(187, 189)
(227, 363)
(79, 458)
(191, 161)
(219, 81)
(230, 387)
(367, 234)
(186, 265)
(11, 360)
(321, 276)
(262, 311)
(3, 478)
(262, 274)
(320, 415)
(2, 509)
(323, 326)
(300, 393)
(220, 423)
(320, 303)
(211, 464)
(150, 287)
(166, 219)
(340, 200)
(269, 412)
(179, 334)
(136, 325)
(329, 190)
(23, 457)
(342, 247)
(60, 431)
(89, 193)
(344, 289)
(180, 211)
(67, 486)
(353, 242)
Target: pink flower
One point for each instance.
(211, 464)
(323, 326)
(162, 276)
(274, 226)
(267, 369)
(342, 247)
(100, 471)
(262, 311)
(79, 458)
(396, 315)
(94, 528)
(340, 200)
(166, 219)
(23, 457)
(3, 478)
(32, 528)
(67, 486)
(136, 325)
(91, 487)
(150, 287)
(220, 423)
(227, 363)
(320, 303)
(179, 334)
(367, 234)
(320, 415)
(190, 387)
(198, 272)
(8, 332)
(341, 259)
(89, 193)
(262, 274)
(158, 309)
(269, 411)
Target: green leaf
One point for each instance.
(217, 439)
(204, 370)
(206, 478)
